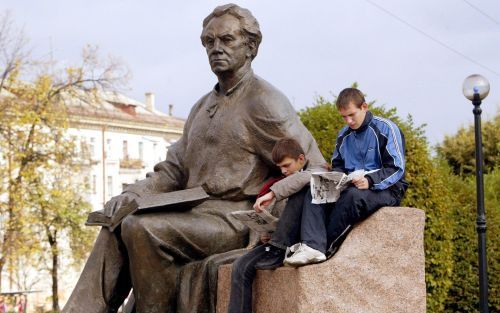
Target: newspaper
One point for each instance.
(260, 222)
(327, 186)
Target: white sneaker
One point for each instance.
(291, 250)
(305, 255)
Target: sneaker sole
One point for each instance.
(297, 264)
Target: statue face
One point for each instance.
(226, 47)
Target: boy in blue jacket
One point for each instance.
(369, 143)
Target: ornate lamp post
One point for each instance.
(476, 88)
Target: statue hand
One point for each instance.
(115, 203)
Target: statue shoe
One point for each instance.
(273, 258)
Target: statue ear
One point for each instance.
(251, 49)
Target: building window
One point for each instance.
(74, 139)
(125, 149)
(141, 150)
(155, 151)
(110, 186)
(92, 147)
(86, 181)
(108, 147)
(94, 184)
(84, 148)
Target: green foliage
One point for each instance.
(459, 149)
(492, 202)
(324, 123)
(464, 292)
(428, 189)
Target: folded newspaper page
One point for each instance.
(327, 186)
(260, 222)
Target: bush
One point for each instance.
(464, 292)
(459, 149)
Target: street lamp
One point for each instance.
(476, 88)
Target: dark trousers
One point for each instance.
(324, 224)
(242, 277)
(243, 273)
(287, 232)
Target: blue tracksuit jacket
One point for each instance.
(376, 146)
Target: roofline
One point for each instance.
(122, 125)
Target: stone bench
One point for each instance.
(379, 268)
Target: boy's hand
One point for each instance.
(360, 182)
(265, 200)
(265, 237)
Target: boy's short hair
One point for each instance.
(349, 95)
(286, 147)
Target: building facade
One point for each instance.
(123, 139)
(120, 139)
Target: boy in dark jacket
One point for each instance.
(289, 156)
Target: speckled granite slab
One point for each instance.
(379, 268)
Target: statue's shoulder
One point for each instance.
(265, 91)
(265, 97)
(199, 104)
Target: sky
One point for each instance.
(412, 55)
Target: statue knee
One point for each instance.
(132, 227)
(146, 230)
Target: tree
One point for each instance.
(12, 58)
(12, 47)
(459, 149)
(60, 212)
(428, 189)
(35, 150)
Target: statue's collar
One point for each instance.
(219, 97)
(239, 84)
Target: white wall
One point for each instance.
(154, 149)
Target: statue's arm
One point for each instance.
(168, 175)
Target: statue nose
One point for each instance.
(217, 45)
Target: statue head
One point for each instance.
(231, 37)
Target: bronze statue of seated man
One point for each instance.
(226, 149)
